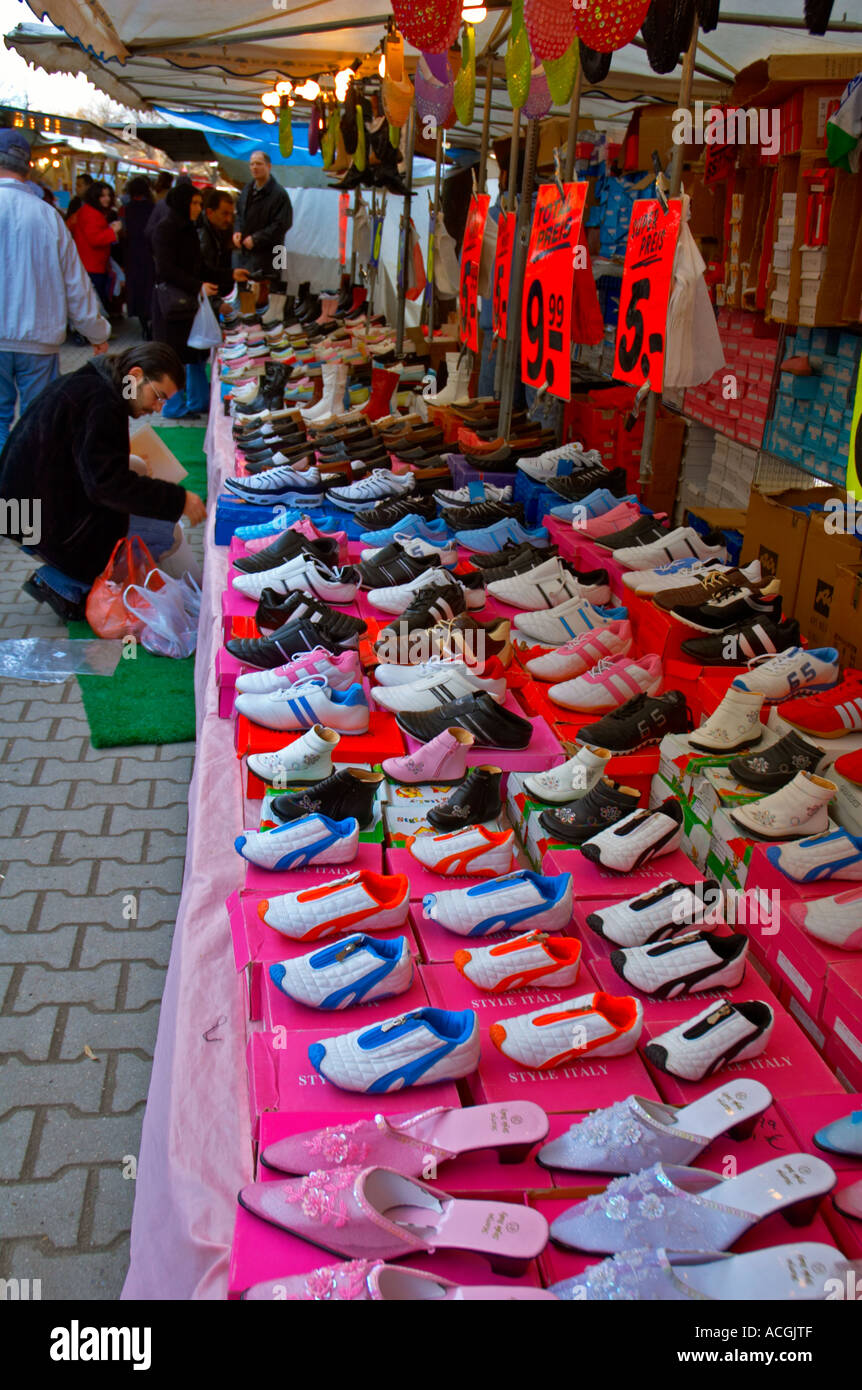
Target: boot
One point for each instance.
(476, 802)
(457, 386)
(574, 779)
(331, 401)
(345, 299)
(307, 759)
(735, 725)
(274, 310)
(360, 294)
(799, 810)
(351, 791)
(301, 296)
(309, 311)
(383, 386)
(328, 305)
(442, 760)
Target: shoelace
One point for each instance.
(293, 692)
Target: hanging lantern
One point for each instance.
(610, 24)
(429, 25)
(550, 26)
(518, 64)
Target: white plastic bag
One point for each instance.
(168, 610)
(205, 332)
(446, 270)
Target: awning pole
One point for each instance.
(514, 147)
(516, 284)
(486, 125)
(572, 135)
(405, 233)
(438, 167)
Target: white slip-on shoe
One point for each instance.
(299, 843)
(609, 684)
(836, 920)
(354, 970)
(721, 1033)
(520, 899)
(446, 680)
(571, 780)
(413, 1049)
(340, 905)
(582, 653)
(637, 838)
(308, 759)
(547, 586)
(837, 854)
(688, 964)
(796, 672)
(302, 706)
(600, 1025)
(734, 726)
(554, 627)
(524, 960)
(338, 672)
(474, 852)
(633, 1133)
(671, 907)
(399, 596)
(798, 809)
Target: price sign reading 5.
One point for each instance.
(503, 272)
(471, 255)
(642, 326)
(546, 318)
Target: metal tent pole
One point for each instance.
(438, 167)
(405, 233)
(514, 147)
(486, 125)
(572, 135)
(516, 284)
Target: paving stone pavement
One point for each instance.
(88, 904)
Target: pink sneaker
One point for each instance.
(443, 760)
(616, 520)
(339, 672)
(361, 1281)
(583, 653)
(609, 684)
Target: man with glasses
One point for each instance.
(67, 493)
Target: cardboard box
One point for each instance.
(844, 630)
(825, 552)
(776, 530)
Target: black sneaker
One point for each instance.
(274, 609)
(735, 609)
(477, 514)
(348, 792)
(386, 569)
(742, 646)
(772, 769)
(641, 532)
(511, 553)
(603, 805)
(640, 721)
(491, 725)
(288, 544)
(297, 636)
(429, 606)
(386, 514)
(573, 486)
(474, 802)
(531, 558)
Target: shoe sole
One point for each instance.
(774, 839)
(725, 752)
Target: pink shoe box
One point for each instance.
(802, 963)
(227, 669)
(437, 945)
(235, 604)
(270, 882)
(281, 1077)
(279, 1012)
(845, 1231)
(806, 1115)
(565, 538)
(842, 1006)
(789, 1066)
(752, 987)
(254, 941)
(542, 752)
(581, 1085)
(627, 769)
(383, 740)
(844, 1054)
(768, 878)
(422, 880)
(448, 989)
(592, 881)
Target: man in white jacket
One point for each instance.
(45, 287)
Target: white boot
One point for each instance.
(572, 780)
(733, 726)
(331, 403)
(275, 310)
(796, 812)
(307, 759)
(450, 392)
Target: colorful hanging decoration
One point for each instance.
(285, 129)
(550, 26)
(707, 13)
(465, 82)
(329, 143)
(433, 98)
(316, 125)
(596, 66)
(518, 62)
(396, 88)
(429, 25)
(538, 102)
(608, 25)
(666, 32)
(561, 74)
(360, 157)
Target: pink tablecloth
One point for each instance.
(196, 1145)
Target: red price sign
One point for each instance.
(471, 255)
(642, 326)
(503, 272)
(546, 319)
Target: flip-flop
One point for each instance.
(359, 1281)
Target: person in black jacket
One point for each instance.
(138, 257)
(214, 233)
(69, 493)
(179, 280)
(264, 216)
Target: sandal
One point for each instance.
(781, 1273)
(360, 1281)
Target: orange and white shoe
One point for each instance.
(596, 1025)
(522, 961)
(474, 851)
(380, 902)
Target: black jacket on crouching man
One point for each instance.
(266, 215)
(70, 452)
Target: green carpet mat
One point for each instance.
(149, 699)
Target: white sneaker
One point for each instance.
(678, 572)
(301, 706)
(414, 1049)
(676, 545)
(447, 680)
(572, 779)
(637, 838)
(609, 684)
(380, 483)
(339, 673)
(547, 586)
(557, 626)
(687, 965)
(713, 1038)
(418, 548)
(798, 809)
(553, 463)
(302, 573)
(656, 915)
(600, 1025)
(351, 971)
(308, 759)
(449, 498)
(299, 843)
(735, 725)
(798, 671)
(381, 901)
(582, 653)
(837, 854)
(397, 597)
(521, 899)
(836, 920)
(535, 958)
(474, 852)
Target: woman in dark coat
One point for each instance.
(179, 280)
(138, 260)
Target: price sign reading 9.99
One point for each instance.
(642, 326)
(471, 255)
(503, 272)
(546, 314)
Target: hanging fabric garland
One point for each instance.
(465, 82)
(550, 26)
(596, 66)
(285, 129)
(329, 143)
(666, 32)
(538, 102)
(518, 63)
(396, 89)
(561, 74)
(707, 13)
(433, 98)
(610, 24)
(429, 25)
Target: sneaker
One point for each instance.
(331, 585)
(638, 838)
(837, 854)
(656, 915)
(472, 853)
(521, 559)
(745, 645)
(476, 801)
(638, 723)
(275, 609)
(580, 484)
(581, 654)
(735, 725)
(491, 538)
(849, 766)
(604, 804)
(415, 1049)
(312, 840)
(292, 640)
(338, 671)
(710, 584)
(609, 684)
(644, 531)
(798, 809)
(312, 702)
(355, 970)
(462, 497)
(534, 958)
(733, 609)
(650, 582)
(404, 547)
(700, 1046)
(443, 761)
(474, 642)
(674, 545)
(836, 920)
(521, 899)
(557, 626)
(286, 547)
(559, 463)
(443, 683)
(377, 486)
(436, 533)
(571, 780)
(594, 1025)
(799, 671)
(549, 585)
(395, 515)
(395, 565)
(490, 723)
(619, 518)
(282, 522)
(831, 715)
(689, 964)
(268, 487)
(476, 514)
(397, 598)
(307, 759)
(339, 906)
(596, 503)
(431, 603)
(351, 791)
(779, 764)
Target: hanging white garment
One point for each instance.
(362, 233)
(693, 353)
(486, 260)
(447, 277)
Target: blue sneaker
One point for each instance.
(522, 901)
(594, 504)
(282, 522)
(313, 840)
(435, 532)
(354, 970)
(493, 538)
(415, 1049)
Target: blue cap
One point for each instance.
(14, 151)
